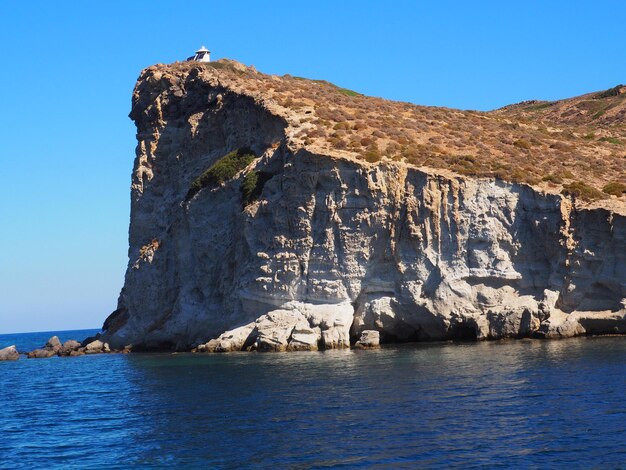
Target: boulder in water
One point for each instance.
(68, 347)
(9, 354)
(40, 354)
(53, 344)
(96, 346)
(369, 339)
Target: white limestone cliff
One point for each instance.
(333, 247)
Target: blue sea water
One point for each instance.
(531, 404)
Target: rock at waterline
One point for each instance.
(71, 344)
(68, 348)
(303, 338)
(40, 354)
(96, 347)
(233, 340)
(53, 347)
(53, 344)
(369, 339)
(9, 354)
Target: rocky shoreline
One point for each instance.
(245, 340)
(54, 347)
(235, 340)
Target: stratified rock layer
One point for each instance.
(332, 247)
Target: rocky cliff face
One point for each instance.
(331, 246)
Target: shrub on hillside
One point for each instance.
(372, 153)
(252, 186)
(610, 140)
(522, 143)
(583, 191)
(337, 142)
(615, 91)
(347, 92)
(222, 170)
(552, 178)
(615, 189)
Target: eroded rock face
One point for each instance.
(234, 340)
(295, 327)
(332, 247)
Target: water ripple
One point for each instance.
(527, 403)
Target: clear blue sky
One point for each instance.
(68, 69)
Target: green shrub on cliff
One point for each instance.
(616, 189)
(610, 140)
(553, 178)
(615, 91)
(347, 92)
(522, 143)
(583, 191)
(222, 170)
(252, 186)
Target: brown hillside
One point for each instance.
(603, 108)
(576, 146)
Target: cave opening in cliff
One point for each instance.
(463, 332)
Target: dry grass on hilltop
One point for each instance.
(576, 145)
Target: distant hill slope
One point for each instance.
(603, 108)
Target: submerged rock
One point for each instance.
(9, 353)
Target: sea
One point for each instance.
(505, 404)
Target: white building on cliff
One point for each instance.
(201, 55)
